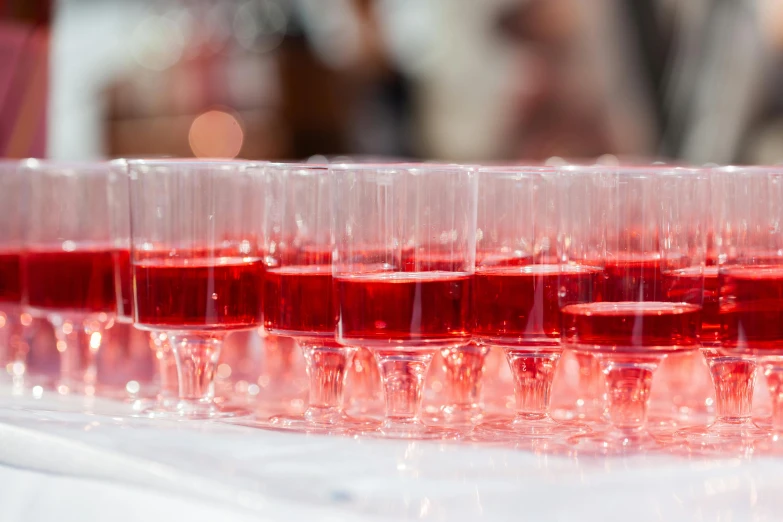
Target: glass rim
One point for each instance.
(634, 170)
(164, 162)
(66, 168)
(412, 167)
(752, 170)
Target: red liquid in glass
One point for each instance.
(685, 286)
(10, 277)
(81, 281)
(199, 294)
(298, 300)
(521, 305)
(710, 313)
(631, 326)
(633, 279)
(751, 308)
(405, 308)
(123, 284)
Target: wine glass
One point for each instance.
(196, 263)
(733, 192)
(519, 286)
(750, 283)
(391, 221)
(13, 200)
(298, 290)
(69, 263)
(645, 226)
(119, 197)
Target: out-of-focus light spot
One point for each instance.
(95, 341)
(26, 319)
(608, 159)
(223, 371)
(18, 368)
(37, 392)
(62, 346)
(132, 387)
(67, 328)
(555, 161)
(157, 43)
(253, 390)
(216, 134)
(318, 159)
(260, 25)
(2, 319)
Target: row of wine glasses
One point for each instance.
(623, 265)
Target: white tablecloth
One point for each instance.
(60, 465)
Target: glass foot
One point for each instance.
(616, 442)
(336, 424)
(723, 434)
(186, 410)
(512, 430)
(411, 431)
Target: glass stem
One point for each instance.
(78, 341)
(279, 363)
(464, 368)
(196, 356)
(364, 381)
(327, 367)
(13, 349)
(402, 374)
(533, 374)
(167, 366)
(589, 399)
(773, 371)
(734, 379)
(628, 381)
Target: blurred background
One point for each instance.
(459, 80)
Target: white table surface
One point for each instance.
(60, 465)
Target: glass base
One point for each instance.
(187, 410)
(340, 423)
(412, 431)
(723, 433)
(461, 417)
(544, 428)
(616, 442)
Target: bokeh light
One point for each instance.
(216, 134)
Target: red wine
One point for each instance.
(633, 278)
(10, 277)
(298, 300)
(123, 284)
(413, 308)
(81, 280)
(199, 294)
(521, 305)
(751, 308)
(632, 326)
(686, 286)
(710, 313)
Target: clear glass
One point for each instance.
(163, 402)
(69, 263)
(405, 256)
(733, 373)
(13, 201)
(298, 291)
(197, 264)
(519, 284)
(750, 281)
(645, 228)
